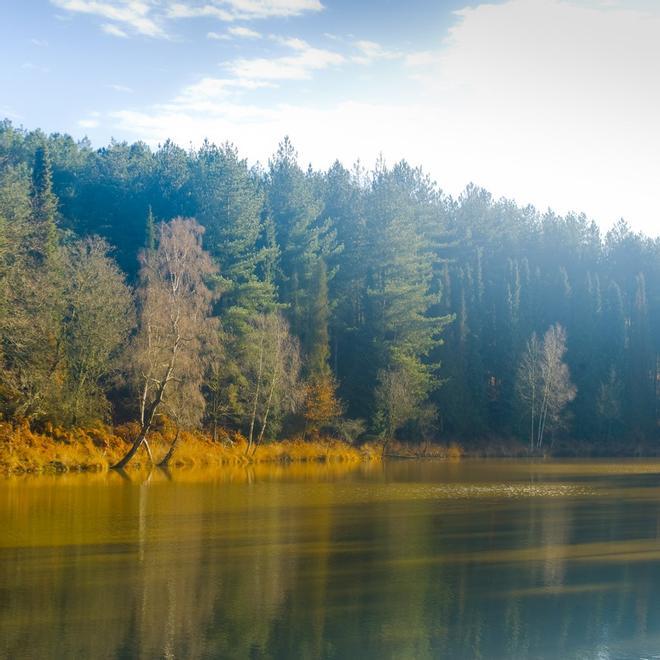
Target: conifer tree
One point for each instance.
(303, 237)
(150, 231)
(322, 407)
(43, 237)
(403, 334)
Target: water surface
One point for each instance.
(411, 559)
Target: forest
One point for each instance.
(281, 301)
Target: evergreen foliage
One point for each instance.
(403, 310)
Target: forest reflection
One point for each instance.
(316, 561)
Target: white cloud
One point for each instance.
(42, 43)
(134, 14)
(557, 104)
(209, 95)
(547, 101)
(248, 9)
(244, 33)
(121, 88)
(148, 17)
(231, 10)
(370, 51)
(181, 10)
(31, 66)
(292, 67)
(218, 36)
(290, 42)
(114, 30)
(88, 123)
(421, 58)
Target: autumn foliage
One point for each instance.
(23, 450)
(322, 407)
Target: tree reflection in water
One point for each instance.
(407, 560)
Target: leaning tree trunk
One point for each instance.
(265, 420)
(142, 438)
(166, 459)
(256, 395)
(147, 421)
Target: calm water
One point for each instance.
(414, 559)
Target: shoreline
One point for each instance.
(23, 451)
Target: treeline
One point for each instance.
(291, 301)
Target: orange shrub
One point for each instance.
(60, 450)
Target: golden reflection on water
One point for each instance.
(411, 559)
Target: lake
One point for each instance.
(410, 559)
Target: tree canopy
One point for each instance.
(371, 296)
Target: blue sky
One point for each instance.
(550, 102)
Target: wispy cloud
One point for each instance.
(180, 10)
(31, 66)
(41, 43)
(120, 88)
(209, 94)
(218, 36)
(370, 51)
(88, 123)
(151, 17)
(135, 15)
(244, 33)
(299, 66)
(114, 30)
(272, 8)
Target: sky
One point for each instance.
(554, 103)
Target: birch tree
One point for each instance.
(397, 400)
(167, 355)
(528, 384)
(544, 384)
(272, 376)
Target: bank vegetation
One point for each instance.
(237, 306)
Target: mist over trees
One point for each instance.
(341, 302)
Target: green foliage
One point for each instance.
(66, 311)
(98, 319)
(410, 307)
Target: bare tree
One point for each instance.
(396, 400)
(544, 383)
(273, 375)
(528, 383)
(167, 355)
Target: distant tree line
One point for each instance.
(138, 283)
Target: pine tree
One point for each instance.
(319, 316)
(303, 237)
(150, 231)
(322, 408)
(398, 296)
(229, 204)
(43, 239)
(641, 365)
(344, 205)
